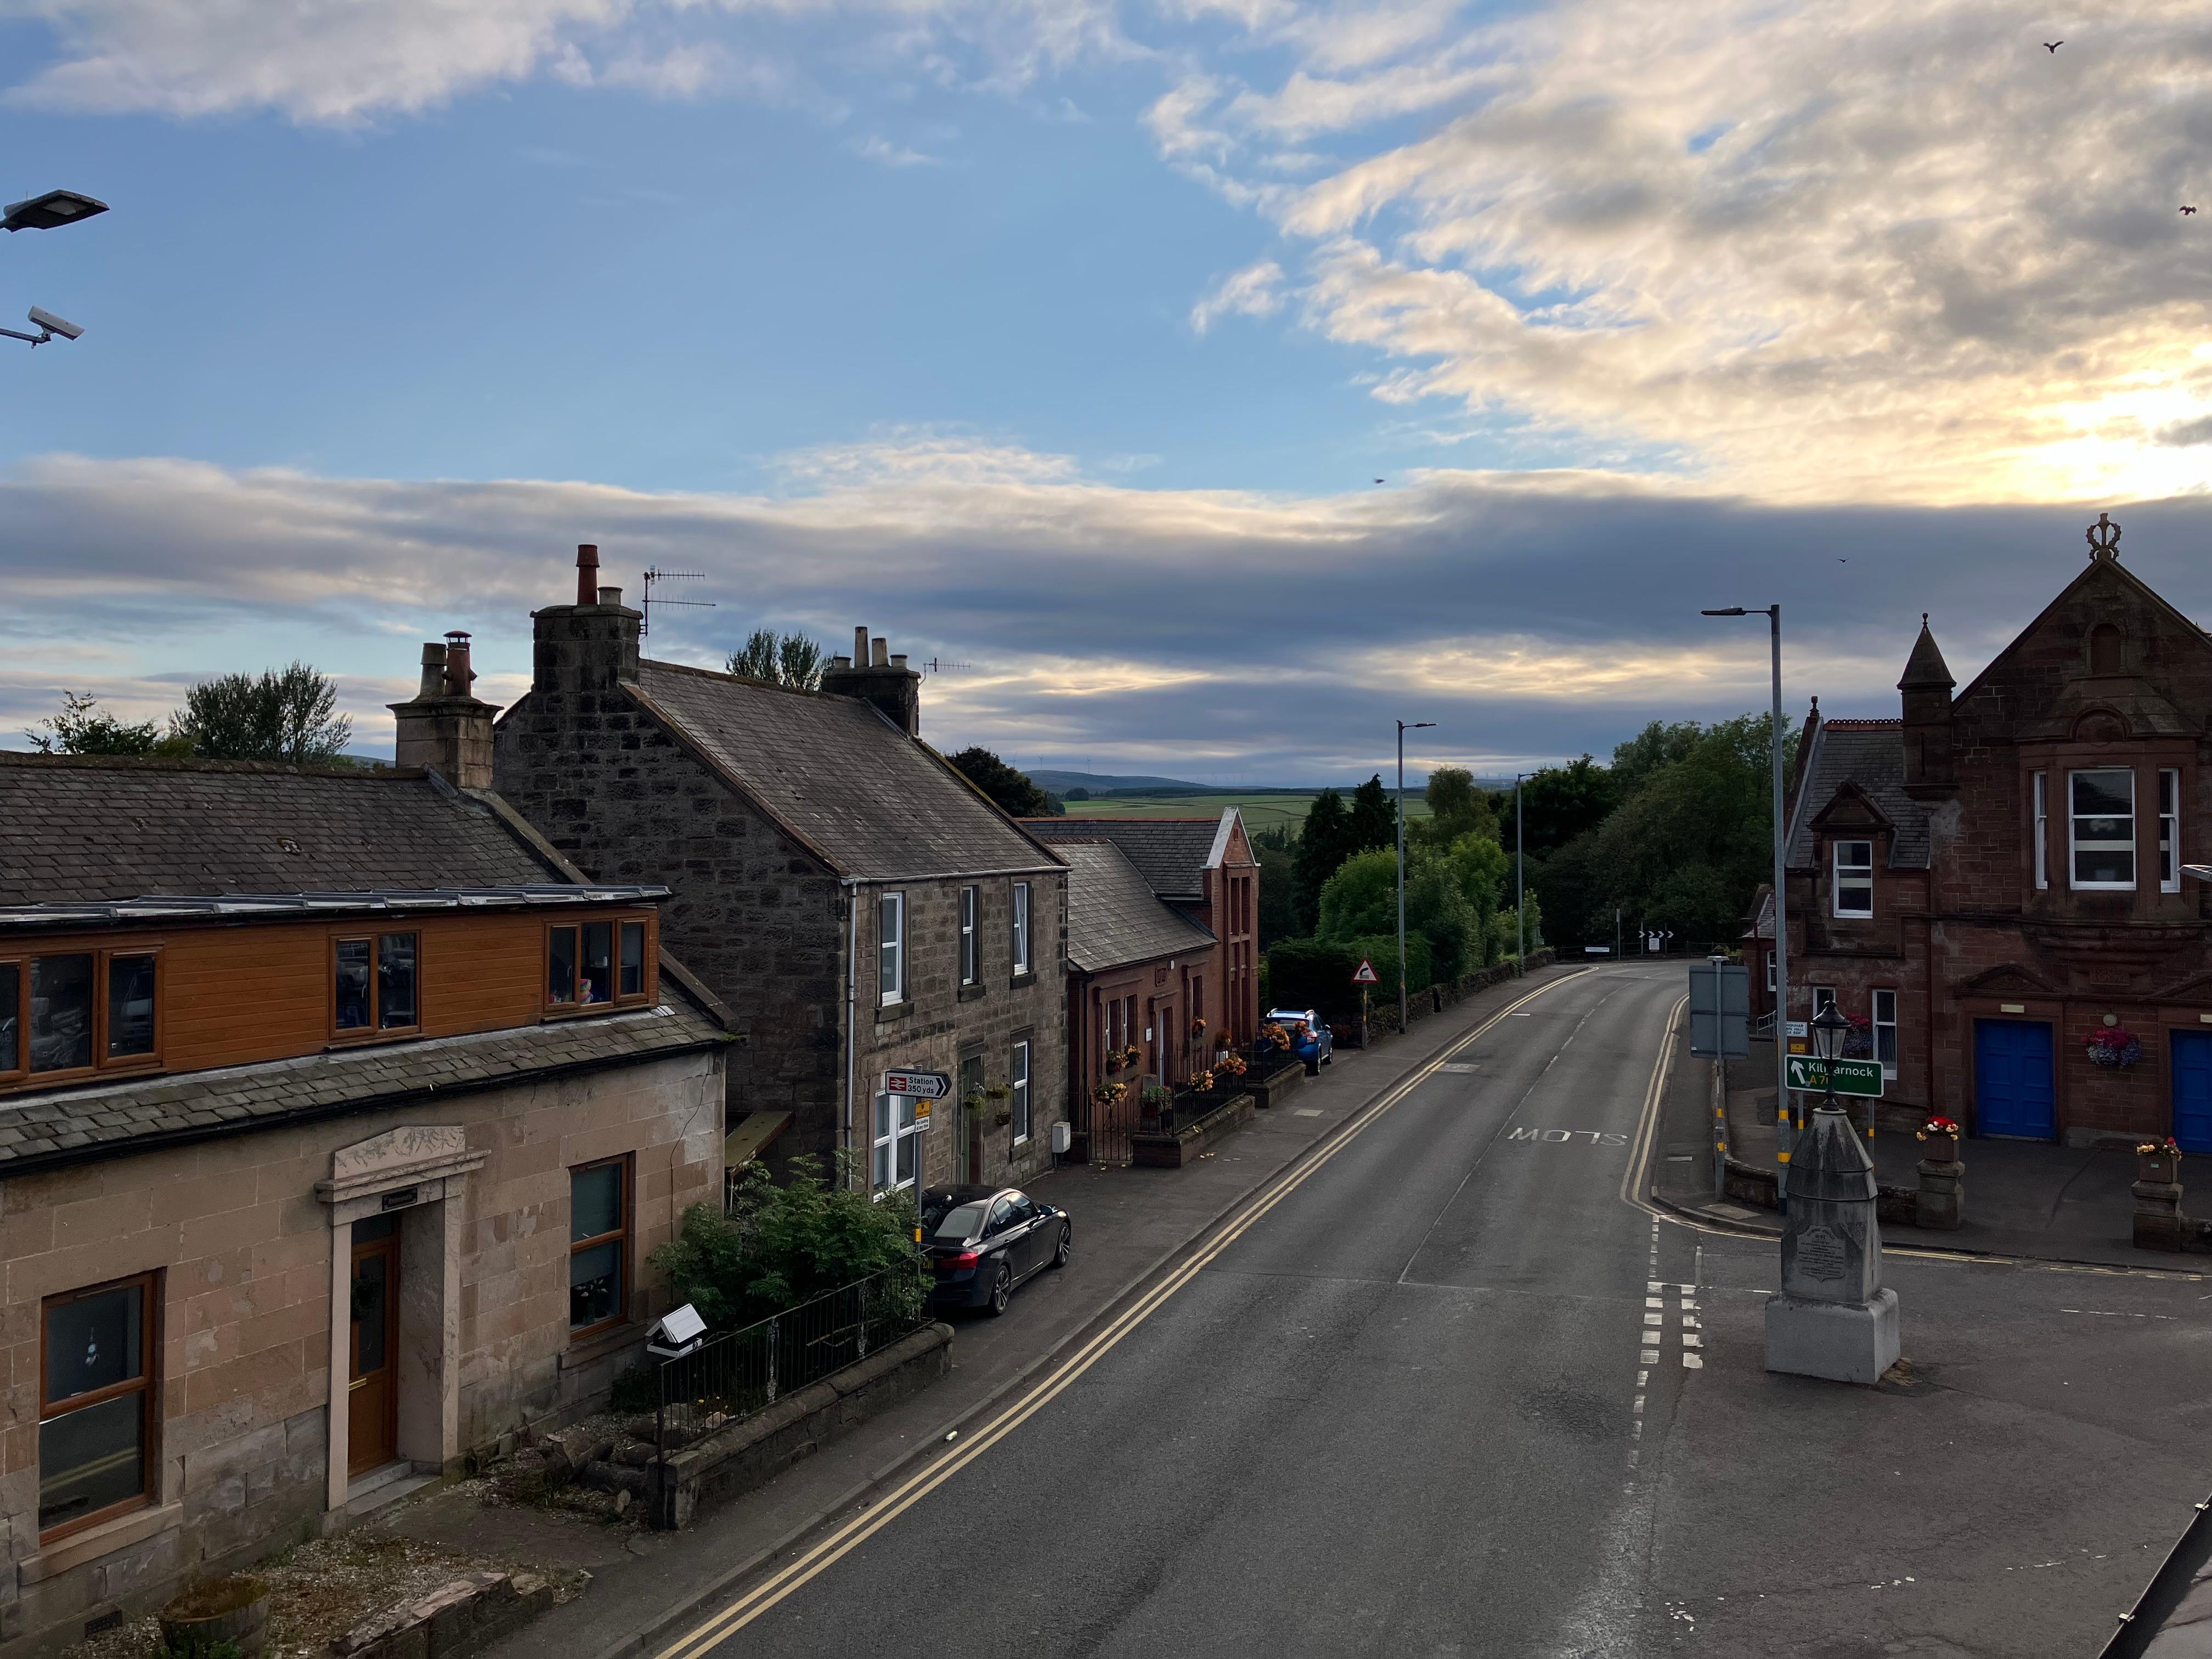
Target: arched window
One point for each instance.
(2105, 649)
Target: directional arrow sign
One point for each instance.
(922, 1086)
(1853, 1077)
(1366, 973)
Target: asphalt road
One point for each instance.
(1455, 1395)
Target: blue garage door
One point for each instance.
(2192, 1091)
(2011, 1079)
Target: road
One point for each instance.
(1454, 1392)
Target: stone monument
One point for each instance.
(1831, 1317)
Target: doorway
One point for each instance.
(2013, 1082)
(373, 1381)
(2192, 1091)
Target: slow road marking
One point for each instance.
(1563, 1137)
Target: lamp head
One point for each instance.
(1731, 610)
(1829, 1030)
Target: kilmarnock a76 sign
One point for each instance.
(1853, 1077)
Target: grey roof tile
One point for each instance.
(1114, 916)
(1870, 754)
(1170, 853)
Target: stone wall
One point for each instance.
(244, 1245)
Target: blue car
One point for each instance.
(1310, 1040)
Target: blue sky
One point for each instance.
(1067, 339)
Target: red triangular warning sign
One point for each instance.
(1366, 975)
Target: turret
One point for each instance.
(1927, 687)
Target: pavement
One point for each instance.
(1130, 1223)
(1453, 1385)
(2023, 1198)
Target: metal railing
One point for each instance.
(729, 1377)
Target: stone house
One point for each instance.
(1206, 870)
(1991, 886)
(1134, 963)
(337, 1120)
(859, 906)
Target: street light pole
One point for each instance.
(1520, 888)
(1783, 1117)
(1403, 1019)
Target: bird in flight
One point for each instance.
(2051, 46)
(2188, 210)
(1379, 481)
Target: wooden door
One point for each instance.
(372, 1388)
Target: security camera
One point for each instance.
(54, 325)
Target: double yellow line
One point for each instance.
(842, 1542)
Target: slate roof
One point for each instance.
(868, 800)
(1170, 853)
(1870, 754)
(87, 829)
(112, 1120)
(1113, 918)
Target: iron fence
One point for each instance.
(729, 1377)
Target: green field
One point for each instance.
(1264, 808)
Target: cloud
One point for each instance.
(883, 151)
(1255, 291)
(1234, 635)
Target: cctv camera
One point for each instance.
(61, 325)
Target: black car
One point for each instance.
(984, 1241)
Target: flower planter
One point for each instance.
(1941, 1149)
(2160, 1171)
(220, 1613)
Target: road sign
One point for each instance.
(1720, 1006)
(1798, 1028)
(1853, 1077)
(1365, 974)
(922, 1086)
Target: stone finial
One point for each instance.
(2104, 538)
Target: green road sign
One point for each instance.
(1853, 1077)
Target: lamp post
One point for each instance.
(48, 212)
(1783, 1126)
(1403, 727)
(1520, 893)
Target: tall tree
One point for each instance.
(1374, 818)
(83, 727)
(1009, 789)
(288, 716)
(791, 660)
(1561, 802)
(1456, 808)
(1324, 842)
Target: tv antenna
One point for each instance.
(933, 666)
(645, 626)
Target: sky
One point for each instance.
(1219, 381)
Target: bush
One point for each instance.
(1312, 972)
(780, 1246)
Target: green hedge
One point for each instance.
(1311, 973)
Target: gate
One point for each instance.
(1107, 1127)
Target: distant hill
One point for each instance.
(1098, 782)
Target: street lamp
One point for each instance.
(1829, 1029)
(1418, 725)
(1783, 1117)
(1519, 892)
(50, 211)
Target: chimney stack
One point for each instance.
(875, 676)
(587, 573)
(444, 728)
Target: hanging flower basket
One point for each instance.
(1107, 1094)
(2114, 1048)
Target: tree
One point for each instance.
(1009, 789)
(82, 727)
(1560, 802)
(791, 660)
(1456, 808)
(289, 716)
(1278, 916)
(1079, 793)
(1361, 901)
(1374, 819)
(1324, 842)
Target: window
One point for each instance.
(2104, 823)
(896, 1143)
(78, 1011)
(1853, 877)
(970, 970)
(2103, 649)
(1021, 928)
(2042, 830)
(1017, 1075)
(2169, 832)
(1770, 973)
(891, 951)
(1884, 1031)
(1823, 997)
(598, 1244)
(375, 983)
(96, 1403)
(592, 964)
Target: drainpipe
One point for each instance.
(852, 999)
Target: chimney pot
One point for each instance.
(882, 658)
(860, 648)
(434, 671)
(587, 573)
(610, 595)
(459, 674)
(899, 662)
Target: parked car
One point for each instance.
(984, 1241)
(1310, 1040)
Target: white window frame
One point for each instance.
(1021, 928)
(971, 965)
(1835, 869)
(1770, 973)
(2169, 830)
(2043, 830)
(1824, 996)
(1884, 1013)
(1017, 1079)
(892, 1122)
(891, 947)
(2074, 844)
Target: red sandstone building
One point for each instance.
(1991, 884)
